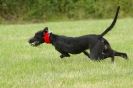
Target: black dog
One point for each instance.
(99, 46)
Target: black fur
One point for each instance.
(99, 46)
(113, 23)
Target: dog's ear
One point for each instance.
(45, 29)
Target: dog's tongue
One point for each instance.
(47, 38)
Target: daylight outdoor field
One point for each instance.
(24, 66)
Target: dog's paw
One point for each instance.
(61, 56)
(125, 56)
(64, 55)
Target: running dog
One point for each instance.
(99, 47)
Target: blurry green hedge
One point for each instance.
(44, 10)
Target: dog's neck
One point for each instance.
(53, 38)
(47, 38)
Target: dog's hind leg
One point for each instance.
(112, 59)
(96, 51)
(123, 55)
(86, 53)
(112, 53)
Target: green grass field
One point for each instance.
(23, 66)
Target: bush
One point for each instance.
(43, 10)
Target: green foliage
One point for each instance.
(42, 10)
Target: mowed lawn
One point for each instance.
(24, 66)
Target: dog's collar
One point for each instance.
(46, 38)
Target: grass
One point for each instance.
(23, 66)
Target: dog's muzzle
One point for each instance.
(33, 42)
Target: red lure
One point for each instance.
(46, 38)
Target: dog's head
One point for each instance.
(40, 37)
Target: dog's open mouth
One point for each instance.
(35, 43)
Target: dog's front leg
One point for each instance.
(64, 55)
(86, 53)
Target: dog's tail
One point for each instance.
(113, 23)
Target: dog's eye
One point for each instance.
(36, 34)
(37, 37)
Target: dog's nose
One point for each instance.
(30, 41)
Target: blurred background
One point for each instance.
(14, 11)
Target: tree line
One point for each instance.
(45, 10)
